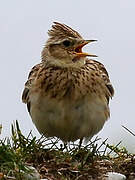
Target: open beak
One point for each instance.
(78, 49)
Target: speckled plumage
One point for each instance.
(65, 98)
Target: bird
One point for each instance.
(68, 93)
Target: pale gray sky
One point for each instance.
(23, 31)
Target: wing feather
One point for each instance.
(99, 67)
(31, 77)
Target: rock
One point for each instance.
(115, 176)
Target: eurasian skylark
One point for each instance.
(67, 94)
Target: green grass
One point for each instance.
(55, 161)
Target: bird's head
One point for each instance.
(64, 47)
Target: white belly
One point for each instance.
(68, 121)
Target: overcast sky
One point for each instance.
(23, 32)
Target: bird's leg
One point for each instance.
(80, 142)
(65, 145)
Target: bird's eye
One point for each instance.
(66, 43)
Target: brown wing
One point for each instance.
(99, 67)
(31, 77)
